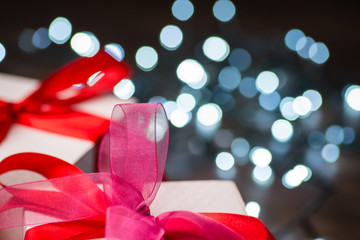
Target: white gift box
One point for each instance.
(22, 138)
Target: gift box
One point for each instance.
(26, 135)
(126, 199)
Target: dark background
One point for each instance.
(325, 207)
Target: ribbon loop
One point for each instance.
(79, 80)
(138, 142)
(49, 108)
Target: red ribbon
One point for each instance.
(114, 202)
(49, 108)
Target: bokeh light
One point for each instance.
(349, 135)
(169, 107)
(229, 78)
(225, 161)
(301, 105)
(315, 99)
(240, 147)
(316, 139)
(216, 49)
(2, 52)
(260, 156)
(146, 58)
(287, 110)
(303, 47)
(253, 209)
(186, 102)
(171, 37)
(115, 50)
(60, 30)
(294, 177)
(267, 82)
(262, 175)
(179, 118)
(192, 73)
(125, 89)
(330, 152)
(240, 58)
(209, 114)
(85, 44)
(282, 130)
(269, 101)
(292, 37)
(247, 87)
(334, 134)
(25, 40)
(352, 97)
(319, 53)
(224, 10)
(182, 9)
(41, 39)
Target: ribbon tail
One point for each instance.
(250, 228)
(88, 228)
(212, 226)
(189, 225)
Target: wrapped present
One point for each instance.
(126, 199)
(64, 115)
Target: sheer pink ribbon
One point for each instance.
(131, 164)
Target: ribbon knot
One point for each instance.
(49, 108)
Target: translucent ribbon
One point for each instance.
(114, 202)
(49, 107)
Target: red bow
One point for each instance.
(114, 202)
(49, 108)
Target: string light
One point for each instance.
(216, 49)
(171, 37)
(60, 30)
(224, 10)
(253, 209)
(182, 9)
(125, 89)
(115, 50)
(267, 82)
(2, 52)
(85, 44)
(146, 58)
(225, 161)
(41, 39)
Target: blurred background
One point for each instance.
(262, 93)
